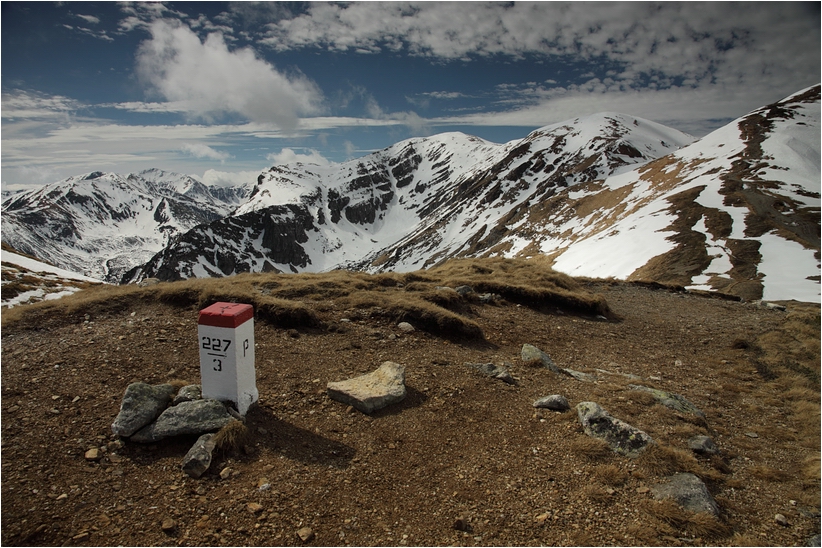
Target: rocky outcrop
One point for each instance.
(531, 355)
(372, 391)
(689, 492)
(554, 402)
(494, 371)
(620, 436)
(670, 400)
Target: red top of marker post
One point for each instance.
(226, 314)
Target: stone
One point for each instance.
(198, 458)
(703, 445)
(93, 454)
(530, 354)
(147, 282)
(554, 402)
(780, 519)
(225, 473)
(305, 534)
(669, 400)
(579, 375)
(188, 393)
(142, 403)
(621, 437)
(188, 418)
(254, 507)
(494, 371)
(464, 290)
(372, 391)
(815, 540)
(688, 491)
(168, 525)
(461, 524)
(405, 327)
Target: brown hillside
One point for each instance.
(464, 459)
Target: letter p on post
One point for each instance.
(225, 333)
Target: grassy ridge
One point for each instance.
(291, 300)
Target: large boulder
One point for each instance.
(142, 403)
(689, 492)
(187, 418)
(530, 354)
(372, 391)
(620, 436)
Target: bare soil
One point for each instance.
(464, 459)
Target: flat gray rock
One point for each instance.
(494, 371)
(142, 403)
(198, 458)
(669, 400)
(187, 418)
(689, 492)
(530, 354)
(579, 375)
(554, 402)
(372, 391)
(703, 445)
(620, 436)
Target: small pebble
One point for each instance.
(305, 534)
(781, 520)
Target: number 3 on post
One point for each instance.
(219, 366)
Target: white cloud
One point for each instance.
(21, 104)
(679, 43)
(289, 156)
(199, 150)
(89, 19)
(213, 177)
(212, 81)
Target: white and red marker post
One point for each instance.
(226, 338)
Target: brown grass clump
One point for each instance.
(592, 449)
(611, 475)
(528, 282)
(766, 473)
(696, 524)
(231, 437)
(664, 460)
(178, 384)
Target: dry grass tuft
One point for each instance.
(594, 493)
(664, 460)
(811, 468)
(766, 473)
(178, 383)
(231, 437)
(592, 449)
(611, 475)
(699, 524)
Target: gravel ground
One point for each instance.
(464, 459)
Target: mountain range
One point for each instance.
(608, 195)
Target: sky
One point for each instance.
(222, 90)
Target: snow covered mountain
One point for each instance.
(409, 206)
(605, 195)
(103, 224)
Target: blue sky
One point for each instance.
(224, 90)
